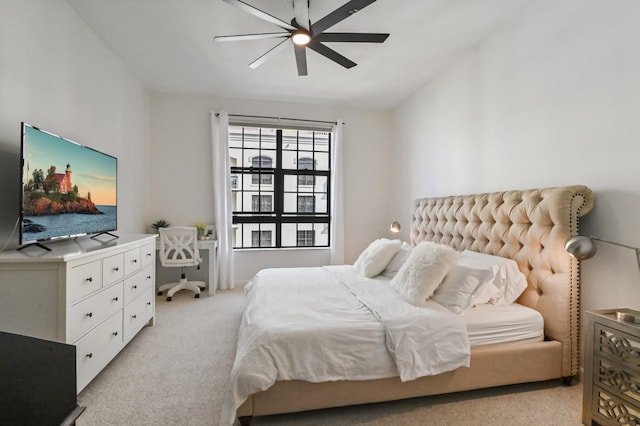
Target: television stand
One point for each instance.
(95, 297)
(42, 246)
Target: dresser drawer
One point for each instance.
(148, 254)
(132, 261)
(138, 313)
(138, 283)
(97, 348)
(112, 269)
(85, 315)
(83, 280)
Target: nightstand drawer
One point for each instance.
(617, 345)
(612, 377)
(609, 409)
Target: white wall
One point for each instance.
(182, 183)
(550, 99)
(56, 74)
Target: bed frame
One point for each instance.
(529, 226)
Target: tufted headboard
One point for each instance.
(531, 227)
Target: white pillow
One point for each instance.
(397, 260)
(487, 293)
(505, 277)
(423, 271)
(376, 257)
(458, 287)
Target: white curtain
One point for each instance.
(222, 197)
(337, 199)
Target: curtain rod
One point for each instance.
(280, 118)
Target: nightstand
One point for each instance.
(611, 394)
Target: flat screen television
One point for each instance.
(68, 189)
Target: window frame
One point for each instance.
(276, 186)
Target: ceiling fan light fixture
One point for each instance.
(300, 37)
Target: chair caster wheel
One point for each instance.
(159, 293)
(197, 296)
(169, 299)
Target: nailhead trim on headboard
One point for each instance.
(529, 226)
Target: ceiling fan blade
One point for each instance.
(301, 7)
(339, 14)
(274, 50)
(352, 37)
(332, 54)
(301, 59)
(260, 14)
(260, 36)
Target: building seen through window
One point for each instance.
(280, 181)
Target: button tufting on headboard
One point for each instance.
(529, 226)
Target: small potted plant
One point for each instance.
(201, 227)
(160, 224)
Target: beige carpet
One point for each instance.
(175, 373)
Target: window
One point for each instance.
(305, 163)
(260, 163)
(305, 239)
(305, 204)
(261, 203)
(260, 238)
(280, 190)
(306, 180)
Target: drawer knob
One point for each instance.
(90, 314)
(134, 287)
(134, 261)
(134, 316)
(115, 333)
(90, 279)
(89, 355)
(148, 254)
(115, 299)
(148, 277)
(148, 303)
(116, 269)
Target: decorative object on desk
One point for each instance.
(395, 228)
(210, 232)
(582, 247)
(160, 224)
(201, 228)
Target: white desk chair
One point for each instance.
(179, 248)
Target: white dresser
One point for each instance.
(96, 295)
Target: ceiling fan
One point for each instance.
(305, 34)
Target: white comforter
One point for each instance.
(329, 323)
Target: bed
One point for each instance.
(528, 226)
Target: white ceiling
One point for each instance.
(168, 45)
